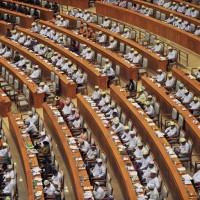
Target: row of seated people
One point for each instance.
(63, 63)
(177, 22)
(93, 159)
(21, 9)
(8, 175)
(52, 177)
(158, 46)
(147, 170)
(179, 7)
(86, 53)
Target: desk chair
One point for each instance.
(83, 88)
(143, 69)
(116, 80)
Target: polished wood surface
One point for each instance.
(101, 134)
(149, 24)
(16, 134)
(5, 104)
(157, 146)
(126, 70)
(36, 99)
(166, 105)
(191, 84)
(45, 13)
(60, 138)
(94, 77)
(167, 11)
(154, 61)
(4, 26)
(83, 4)
(25, 20)
(68, 89)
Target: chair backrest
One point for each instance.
(133, 35)
(129, 5)
(16, 84)
(119, 111)
(57, 79)
(52, 76)
(78, 24)
(178, 83)
(145, 62)
(121, 28)
(123, 118)
(68, 43)
(193, 27)
(150, 11)
(174, 114)
(164, 192)
(182, 134)
(24, 88)
(109, 189)
(11, 79)
(99, 58)
(181, 120)
(100, 20)
(94, 19)
(157, 108)
(7, 76)
(162, 16)
(117, 70)
(31, 11)
(17, 20)
(27, 94)
(191, 146)
(128, 48)
(3, 71)
(121, 47)
(103, 157)
(130, 124)
(147, 36)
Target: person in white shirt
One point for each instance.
(142, 164)
(174, 6)
(194, 107)
(197, 74)
(167, 4)
(114, 28)
(58, 20)
(89, 55)
(3, 49)
(106, 108)
(84, 146)
(43, 31)
(44, 88)
(88, 195)
(170, 82)
(123, 4)
(35, 27)
(132, 142)
(54, 58)
(153, 180)
(129, 56)
(64, 23)
(96, 96)
(118, 127)
(42, 138)
(171, 131)
(196, 178)
(49, 189)
(70, 12)
(194, 13)
(79, 14)
(21, 39)
(98, 192)
(187, 98)
(80, 80)
(99, 170)
(21, 62)
(180, 92)
(126, 135)
(187, 10)
(126, 33)
(68, 105)
(171, 19)
(36, 74)
(30, 128)
(28, 41)
(171, 56)
(138, 153)
(8, 53)
(42, 50)
(56, 178)
(181, 8)
(137, 58)
(160, 2)
(176, 21)
(15, 35)
(112, 113)
(109, 71)
(104, 96)
(106, 23)
(59, 61)
(142, 10)
(92, 153)
(149, 109)
(183, 150)
(197, 31)
(101, 39)
(157, 48)
(147, 173)
(8, 188)
(160, 77)
(153, 192)
(4, 150)
(32, 118)
(187, 26)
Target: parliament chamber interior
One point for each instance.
(99, 99)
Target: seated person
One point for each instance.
(112, 112)
(36, 74)
(101, 38)
(197, 31)
(143, 163)
(109, 71)
(137, 58)
(130, 86)
(106, 108)
(92, 153)
(197, 74)
(44, 88)
(171, 19)
(79, 14)
(138, 153)
(66, 110)
(171, 131)
(196, 178)
(170, 82)
(4, 150)
(49, 189)
(104, 96)
(160, 77)
(149, 109)
(153, 184)
(114, 28)
(89, 55)
(106, 23)
(56, 178)
(187, 98)
(123, 3)
(21, 39)
(129, 56)
(35, 27)
(98, 192)
(147, 173)
(183, 150)
(194, 106)
(8, 53)
(180, 92)
(171, 56)
(181, 8)
(81, 80)
(99, 170)
(32, 118)
(141, 97)
(158, 47)
(125, 136)
(96, 95)
(118, 127)
(31, 128)
(83, 135)
(132, 141)
(126, 33)
(45, 150)
(84, 146)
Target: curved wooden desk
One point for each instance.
(36, 99)
(4, 26)
(166, 105)
(60, 139)
(5, 104)
(107, 144)
(126, 70)
(68, 89)
(150, 24)
(45, 13)
(94, 77)
(83, 4)
(154, 61)
(15, 132)
(25, 20)
(167, 167)
(192, 85)
(167, 11)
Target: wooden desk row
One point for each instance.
(189, 4)
(4, 26)
(191, 84)
(167, 104)
(61, 134)
(5, 104)
(68, 89)
(94, 77)
(154, 60)
(126, 70)
(149, 24)
(45, 13)
(36, 99)
(167, 11)
(15, 125)
(25, 20)
(83, 4)
(157, 147)
(106, 143)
